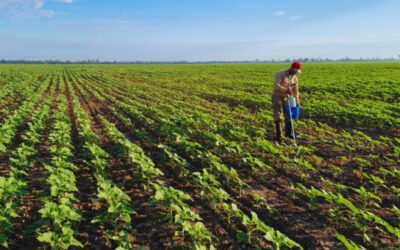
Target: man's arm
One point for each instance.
(295, 93)
(278, 87)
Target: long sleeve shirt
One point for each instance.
(284, 81)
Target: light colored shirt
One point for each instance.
(284, 81)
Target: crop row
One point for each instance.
(58, 213)
(21, 160)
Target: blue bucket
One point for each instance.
(295, 111)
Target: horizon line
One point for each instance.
(97, 61)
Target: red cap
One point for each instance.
(297, 66)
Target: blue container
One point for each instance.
(295, 111)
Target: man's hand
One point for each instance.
(289, 90)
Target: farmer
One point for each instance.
(285, 85)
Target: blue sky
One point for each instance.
(198, 30)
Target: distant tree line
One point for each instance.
(97, 61)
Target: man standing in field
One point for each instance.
(285, 85)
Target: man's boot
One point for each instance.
(288, 130)
(278, 126)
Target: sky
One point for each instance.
(198, 30)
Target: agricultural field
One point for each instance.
(183, 157)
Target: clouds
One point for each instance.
(27, 8)
(295, 18)
(279, 13)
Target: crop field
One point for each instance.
(183, 157)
